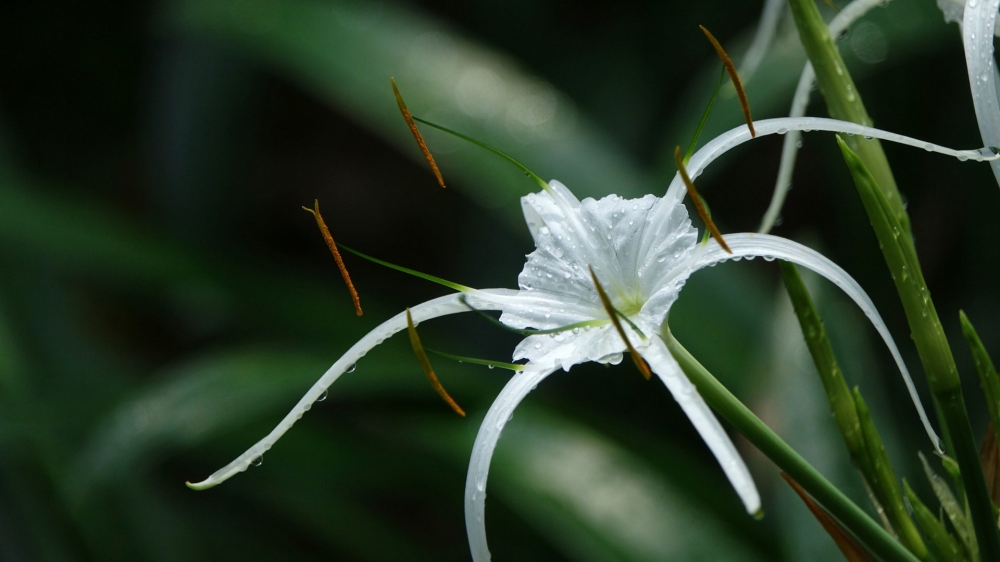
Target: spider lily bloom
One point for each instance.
(640, 252)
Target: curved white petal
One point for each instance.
(665, 366)
(735, 137)
(482, 453)
(629, 243)
(769, 18)
(978, 26)
(441, 306)
(790, 148)
(771, 247)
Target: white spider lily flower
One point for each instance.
(642, 251)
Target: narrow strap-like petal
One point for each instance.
(735, 137)
(978, 25)
(665, 366)
(790, 148)
(771, 247)
(482, 453)
(441, 306)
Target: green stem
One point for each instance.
(843, 100)
(840, 506)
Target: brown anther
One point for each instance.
(613, 315)
(328, 238)
(698, 205)
(731, 70)
(851, 549)
(408, 117)
(425, 364)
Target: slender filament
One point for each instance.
(728, 63)
(491, 364)
(328, 238)
(698, 205)
(408, 117)
(542, 183)
(613, 315)
(408, 271)
(425, 364)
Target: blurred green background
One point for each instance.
(164, 300)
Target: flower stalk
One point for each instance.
(852, 517)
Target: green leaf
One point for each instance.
(944, 544)
(883, 481)
(952, 509)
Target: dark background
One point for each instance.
(164, 300)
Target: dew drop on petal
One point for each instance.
(258, 461)
(350, 369)
(323, 396)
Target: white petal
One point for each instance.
(769, 18)
(538, 310)
(482, 453)
(978, 25)
(771, 247)
(441, 306)
(665, 366)
(728, 140)
(790, 148)
(571, 235)
(565, 349)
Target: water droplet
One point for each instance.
(768, 258)
(782, 131)
(798, 144)
(323, 396)
(351, 368)
(258, 461)
(538, 345)
(867, 137)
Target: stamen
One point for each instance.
(408, 117)
(474, 361)
(544, 185)
(425, 364)
(698, 204)
(530, 332)
(613, 315)
(728, 63)
(328, 238)
(413, 272)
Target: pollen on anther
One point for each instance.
(699, 206)
(731, 70)
(425, 364)
(328, 238)
(408, 117)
